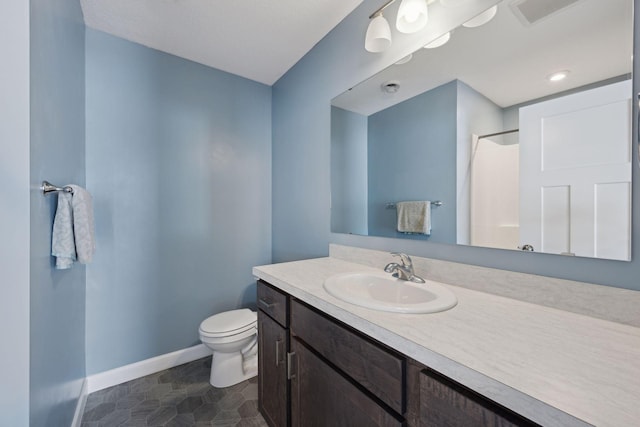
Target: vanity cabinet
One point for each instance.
(273, 343)
(317, 371)
(434, 400)
(322, 396)
(373, 367)
(351, 380)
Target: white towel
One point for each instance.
(73, 228)
(414, 217)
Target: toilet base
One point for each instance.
(228, 369)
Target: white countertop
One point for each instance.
(554, 367)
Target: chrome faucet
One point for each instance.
(403, 271)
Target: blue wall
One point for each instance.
(57, 297)
(179, 163)
(301, 182)
(412, 156)
(348, 172)
(14, 213)
(480, 116)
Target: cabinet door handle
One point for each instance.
(266, 304)
(291, 374)
(278, 344)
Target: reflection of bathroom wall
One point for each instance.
(511, 121)
(412, 155)
(476, 115)
(348, 172)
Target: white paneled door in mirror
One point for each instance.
(576, 174)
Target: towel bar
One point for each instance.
(392, 205)
(47, 188)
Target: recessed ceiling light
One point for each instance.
(405, 59)
(454, 3)
(439, 41)
(557, 76)
(482, 19)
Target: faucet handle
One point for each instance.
(404, 271)
(404, 258)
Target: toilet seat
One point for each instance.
(229, 323)
(232, 336)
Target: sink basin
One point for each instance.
(381, 291)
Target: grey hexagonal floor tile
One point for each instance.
(249, 409)
(206, 412)
(176, 397)
(189, 404)
(100, 411)
(161, 416)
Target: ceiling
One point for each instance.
(259, 40)
(508, 60)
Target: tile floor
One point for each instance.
(180, 396)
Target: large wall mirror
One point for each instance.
(515, 134)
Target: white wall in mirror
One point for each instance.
(418, 143)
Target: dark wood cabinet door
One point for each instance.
(321, 397)
(272, 371)
(439, 401)
(374, 368)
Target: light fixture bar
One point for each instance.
(381, 8)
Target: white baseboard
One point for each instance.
(145, 367)
(82, 401)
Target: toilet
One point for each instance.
(233, 337)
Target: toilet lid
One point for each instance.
(231, 322)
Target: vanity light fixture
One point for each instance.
(482, 19)
(378, 36)
(558, 76)
(412, 16)
(439, 41)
